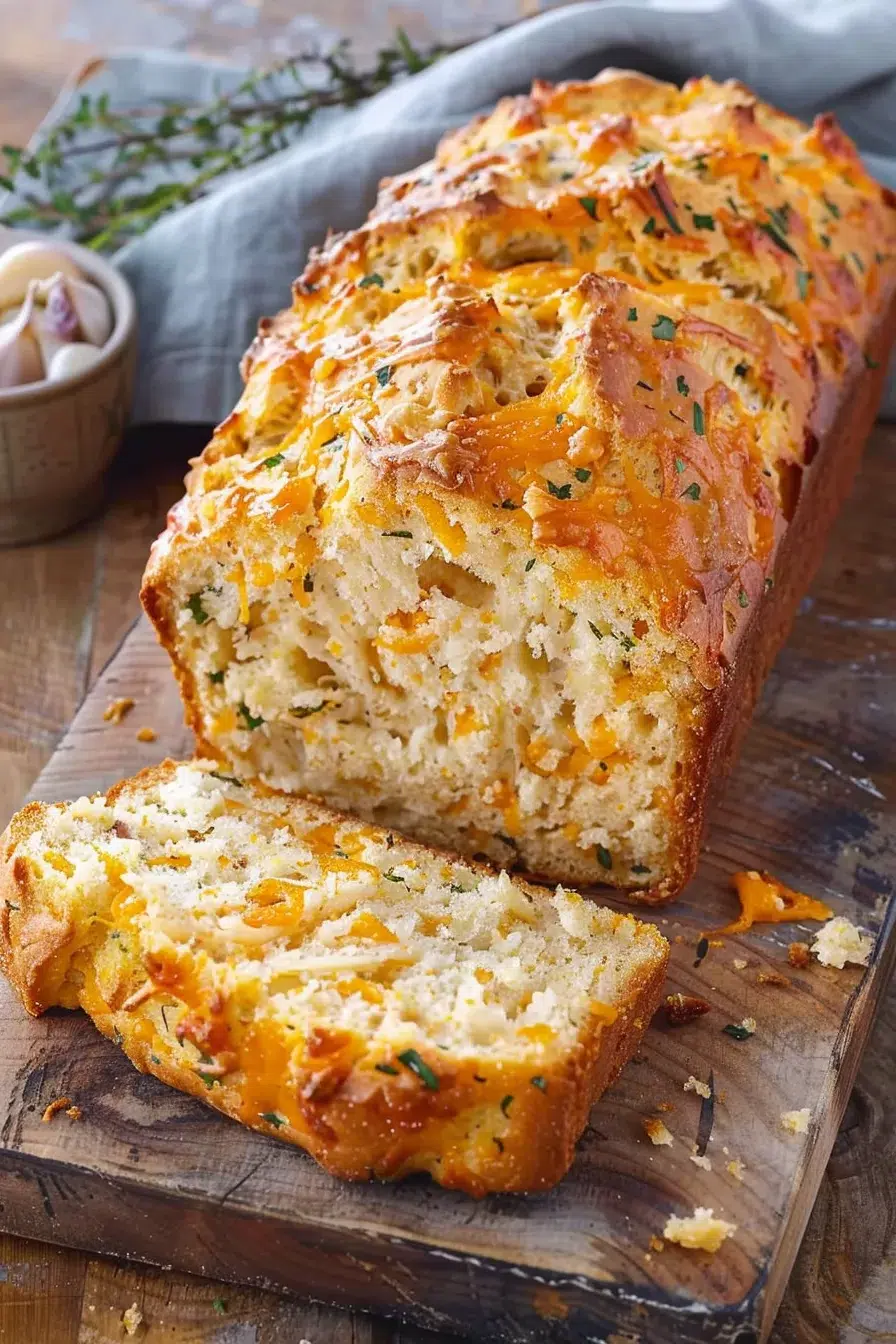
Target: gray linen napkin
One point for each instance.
(203, 276)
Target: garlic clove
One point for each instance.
(71, 359)
(74, 310)
(32, 261)
(20, 357)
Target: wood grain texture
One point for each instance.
(805, 801)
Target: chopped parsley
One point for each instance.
(640, 868)
(226, 779)
(668, 214)
(860, 265)
(627, 642)
(778, 238)
(508, 504)
(409, 536)
(207, 1078)
(741, 370)
(411, 1060)
(679, 465)
(373, 279)
(681, 384)
(386, 1068)
(558, 419)
(705, 222)
(632, 314)
(539, 1082)
(737, 1031)
(273, 1118)
(699, 421)
(302, 711)
(216, 677)
(219, 1305)
(825, 239)
(498, 1144)
(604, 857)
(702, 949)
(589, 205)
(529, 564)
(328, 443)
(650, 226)
(769, 585)
(384, 374)
(692, 491)
(869, 362)
(802, 283)
(594, 630)
(582, 474)
(197, 610)
(505, 1103)
(780, 217)
(645, 160)
(560, 491)
(646, 386)
(392, 876)
(663, 329)
(742, 599)
(833, 209)
(248, 718)
(271, 462)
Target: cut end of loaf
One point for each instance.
(389, 1008)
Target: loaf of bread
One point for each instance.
(523, 489)
(386, 1007)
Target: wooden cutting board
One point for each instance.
(150, 1174)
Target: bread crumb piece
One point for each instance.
(132, 1319)
(700, 1232)
(657, 1132)
(116, 709)
(694, 1085)
(773, 978)
(682, 1008)
(739, 964)
(796, 1122)
(74, 1112)
(657, 1244)
(798, 955)
(839, 942)
(702, 1162)
(146, 734)
(54, 1108)
(665, 1106)
(735, 1168)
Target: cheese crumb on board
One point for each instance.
(694, 1085)
(132, 1319)
(702, 1162)
(739, 964)
(146, 734)
(735, 1168)
(116, 709)
(839, 942)
(700, 1232)
(796, 1122)
(59, 1104)
(657, 1132)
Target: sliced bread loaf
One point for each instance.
(387, 1007)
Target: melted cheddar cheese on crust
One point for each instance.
(386, 1007)
(476, 550)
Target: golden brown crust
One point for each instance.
(500, 1126)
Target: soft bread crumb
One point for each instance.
(146, 734)
(773, 978)
(735, 1168)
(54, 1108)
(739, 964)
(132, 1319)
(657, 1132)
(796, 1122)
(701, 1161)
(74, 1112)
(657, 1244)
(798, 955)
(839, 942)
(700, 1232)
(117, 709)
(694, 1085)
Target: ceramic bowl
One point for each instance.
(57, 438)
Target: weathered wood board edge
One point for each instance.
(218, 1240)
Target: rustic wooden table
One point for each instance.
(64, 607)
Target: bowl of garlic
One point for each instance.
(67, 350)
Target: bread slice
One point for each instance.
(522, 491)
(389, 1008)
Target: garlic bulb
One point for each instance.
(71, 359)
(32, 261)
(20, 356)
(74, 309)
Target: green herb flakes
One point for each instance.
(681, 384)
(251, 721)
(273, 1118)
(559, 491)
(632, 314)
(646, 386)
(650, 226)
(216, 678)
(384, 374)
(737, 1031)
(539, 1082)
(742, 599)
(699, 420)
(663, 329)
(833, 210)
(399, 532)
(271, 462)
(303, 711)
(705, 222)
(679, 465)
(604, 857)
(219, 1305)
(508, 504)
(589, 205)
(505, 1103)
(802, 283)
(411, 1060)
(529, 564)
(640, 868)
(668, 215)
(197, 610)
(769, 585)
(869, 362)
(332, 442)
(594, 630)
(778, 239)
(582, 474)
(692, 491)
(741, 370)
(386, 1068)
(207, 1078)
(498, 1144)
(373, 279)
(558, 419)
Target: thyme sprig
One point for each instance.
(103, 175)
